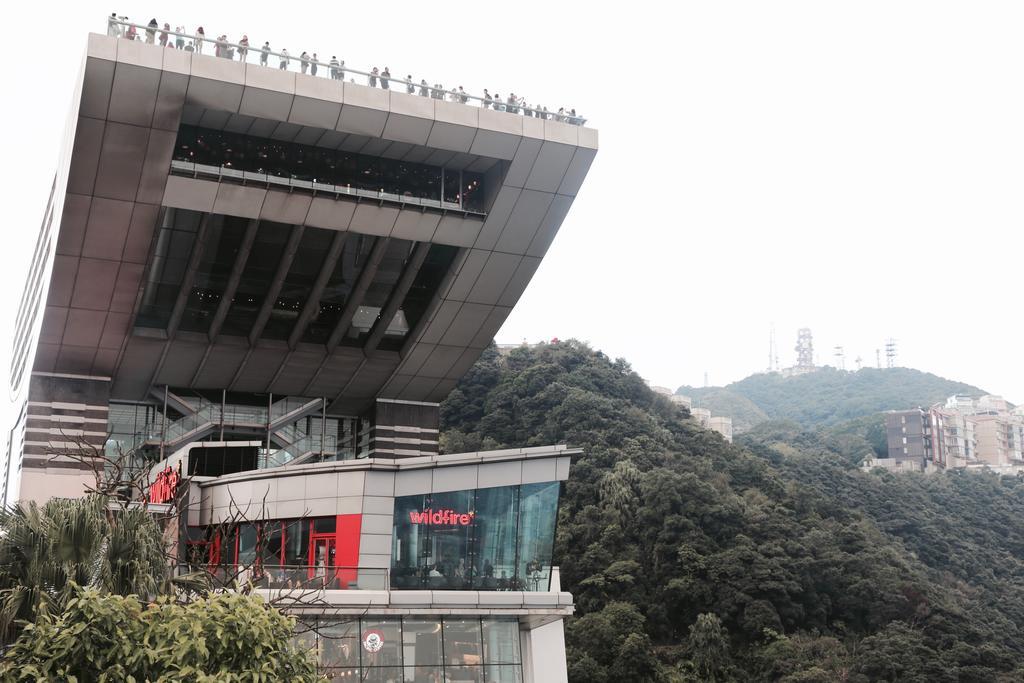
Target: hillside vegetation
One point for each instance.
(692, 559)
(824, 397)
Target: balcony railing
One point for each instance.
(269, 58)
(223, 173)
(310, 577)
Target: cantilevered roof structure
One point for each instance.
(218, 224)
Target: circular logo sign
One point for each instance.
(373, 640)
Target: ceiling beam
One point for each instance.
(397, 296)
(313, 302)
(189, 278)
(355, 298)
(236, 275)
(283, 266)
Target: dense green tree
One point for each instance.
(46, 549)
(805, 567)
(225, 638)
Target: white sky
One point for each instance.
(851, 167)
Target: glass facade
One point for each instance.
(420, 649)
(324, 166)
(498, 538)
(221, 243)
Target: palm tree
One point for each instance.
(45, 550)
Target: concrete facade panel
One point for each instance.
(85, 156)
(378, 505)
(170, 101)
(140, 233)
(418, 226)
(137, 53)
(351, 484)
(582, 158)
(462, 478)
(552, 162)
(133, 95)
(538, 471)
(85, 327)
(545, 235)
(73, 224)
(330, 213)
(379, 484)
(411, 129)
(498, 216)
(239, 200)
(485, 335)
(62, 281)
(370, 219)
(495, 277)
(94, 284)
(52, 328)
(439, 324)
(361, 120)
(188, 193)
(458, 231)
(126, 289)
(377, 525)
(451, 136)
(524, 221)
(266, 104)
(500, 474)
(154, 169)
(413, 482)
(519, 281)
(120, 166)
(522, 163)
(285, 207)
(99, 76)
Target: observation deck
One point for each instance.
(180, 256)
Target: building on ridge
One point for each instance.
(263, 282)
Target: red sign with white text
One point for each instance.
(165, 486)
(441, 517)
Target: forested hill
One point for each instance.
(824, 397)
(692, 559)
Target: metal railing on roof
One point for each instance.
(226, 49)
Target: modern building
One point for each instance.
(264, 282)
(964, 432)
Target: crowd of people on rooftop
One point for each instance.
(153, 33)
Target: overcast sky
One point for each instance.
(851, 167)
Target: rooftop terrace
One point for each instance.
(333, 69)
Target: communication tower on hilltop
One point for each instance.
(840, 357)
(773, 352)
(878, 358)
(804, 349)
(890, 353)
(859, 361)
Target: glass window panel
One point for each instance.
(451, 186)
(296, 548)
(464, 674)
(424, 287)
(270, 551)
(382, 675)
(472, 191)
(503, 673)
(305, 162)
(224, 234)
(448, 528)
(339, 286)
(384, 280)
(409, 550)
(339, 646)
(461, 643)
(246, 544)
(380, 642)
(423, 674)
(421, 641)
(325, 525)
(501, 641)
(304, 636)
(298, 283)
(538, 509)
(260, 269)
(494, 552)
